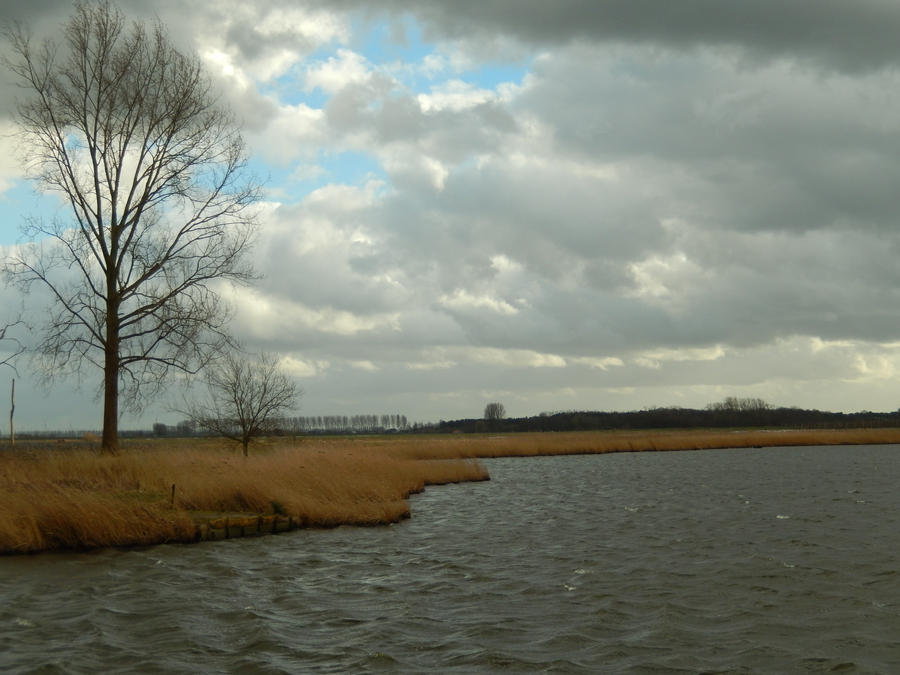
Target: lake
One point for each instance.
(757, 560)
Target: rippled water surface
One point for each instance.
(771, 560)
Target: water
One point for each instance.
(774, 560)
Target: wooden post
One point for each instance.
(12, 409)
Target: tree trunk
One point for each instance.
(110, 442)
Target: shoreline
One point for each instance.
(61, 498)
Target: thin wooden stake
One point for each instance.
(12, 409)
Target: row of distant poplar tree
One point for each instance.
(346, 423)
(302, 424)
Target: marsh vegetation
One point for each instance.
(69, 496)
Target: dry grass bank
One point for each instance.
(590, 442)
(64, 496)
(452, 446)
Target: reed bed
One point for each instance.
(454, 446)
(68, 496)
(59, 498)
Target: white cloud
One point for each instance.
(262, 43)
(223, 64)
(684, 354)
(653, 359)
(364, 365)
(316, 27)
(454, 95)
(517, 358)
(462, 300)
(659, 278)
(302, 368)
(604, 363)
(269, 319)
(332, 75)
(293, 133)
(412, 169)
(334, 199)
(430, 365)
(504, 264)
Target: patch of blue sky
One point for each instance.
(397, 46)
(22, 202)
(384, 43)
(491, 75)
(425, 64)
(271, 176)
(289, 89)
(286, 184)
(290, 185)
(351, 167)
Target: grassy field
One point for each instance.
(65, 495)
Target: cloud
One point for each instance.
(851, 37)
(337, 72)
(11, 169)
(268, 319)
(455, 95)
(299, 368)
(462, 300)
(662, 204)
(516, 358)
(690, 230)
(268, 39)
(598, 363)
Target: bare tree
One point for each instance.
(246, 398)
(127, 129)
(494, 412)
(735, 404)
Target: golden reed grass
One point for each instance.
(68, 496)
(591, 442)
(61, 498)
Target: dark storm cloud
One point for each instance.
(846, 35)
(29, 12)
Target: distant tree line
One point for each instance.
(730, 413)
(307, 424)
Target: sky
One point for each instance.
(569, 205)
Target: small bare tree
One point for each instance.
(246, 397)
(129, 132)
(494, 412)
